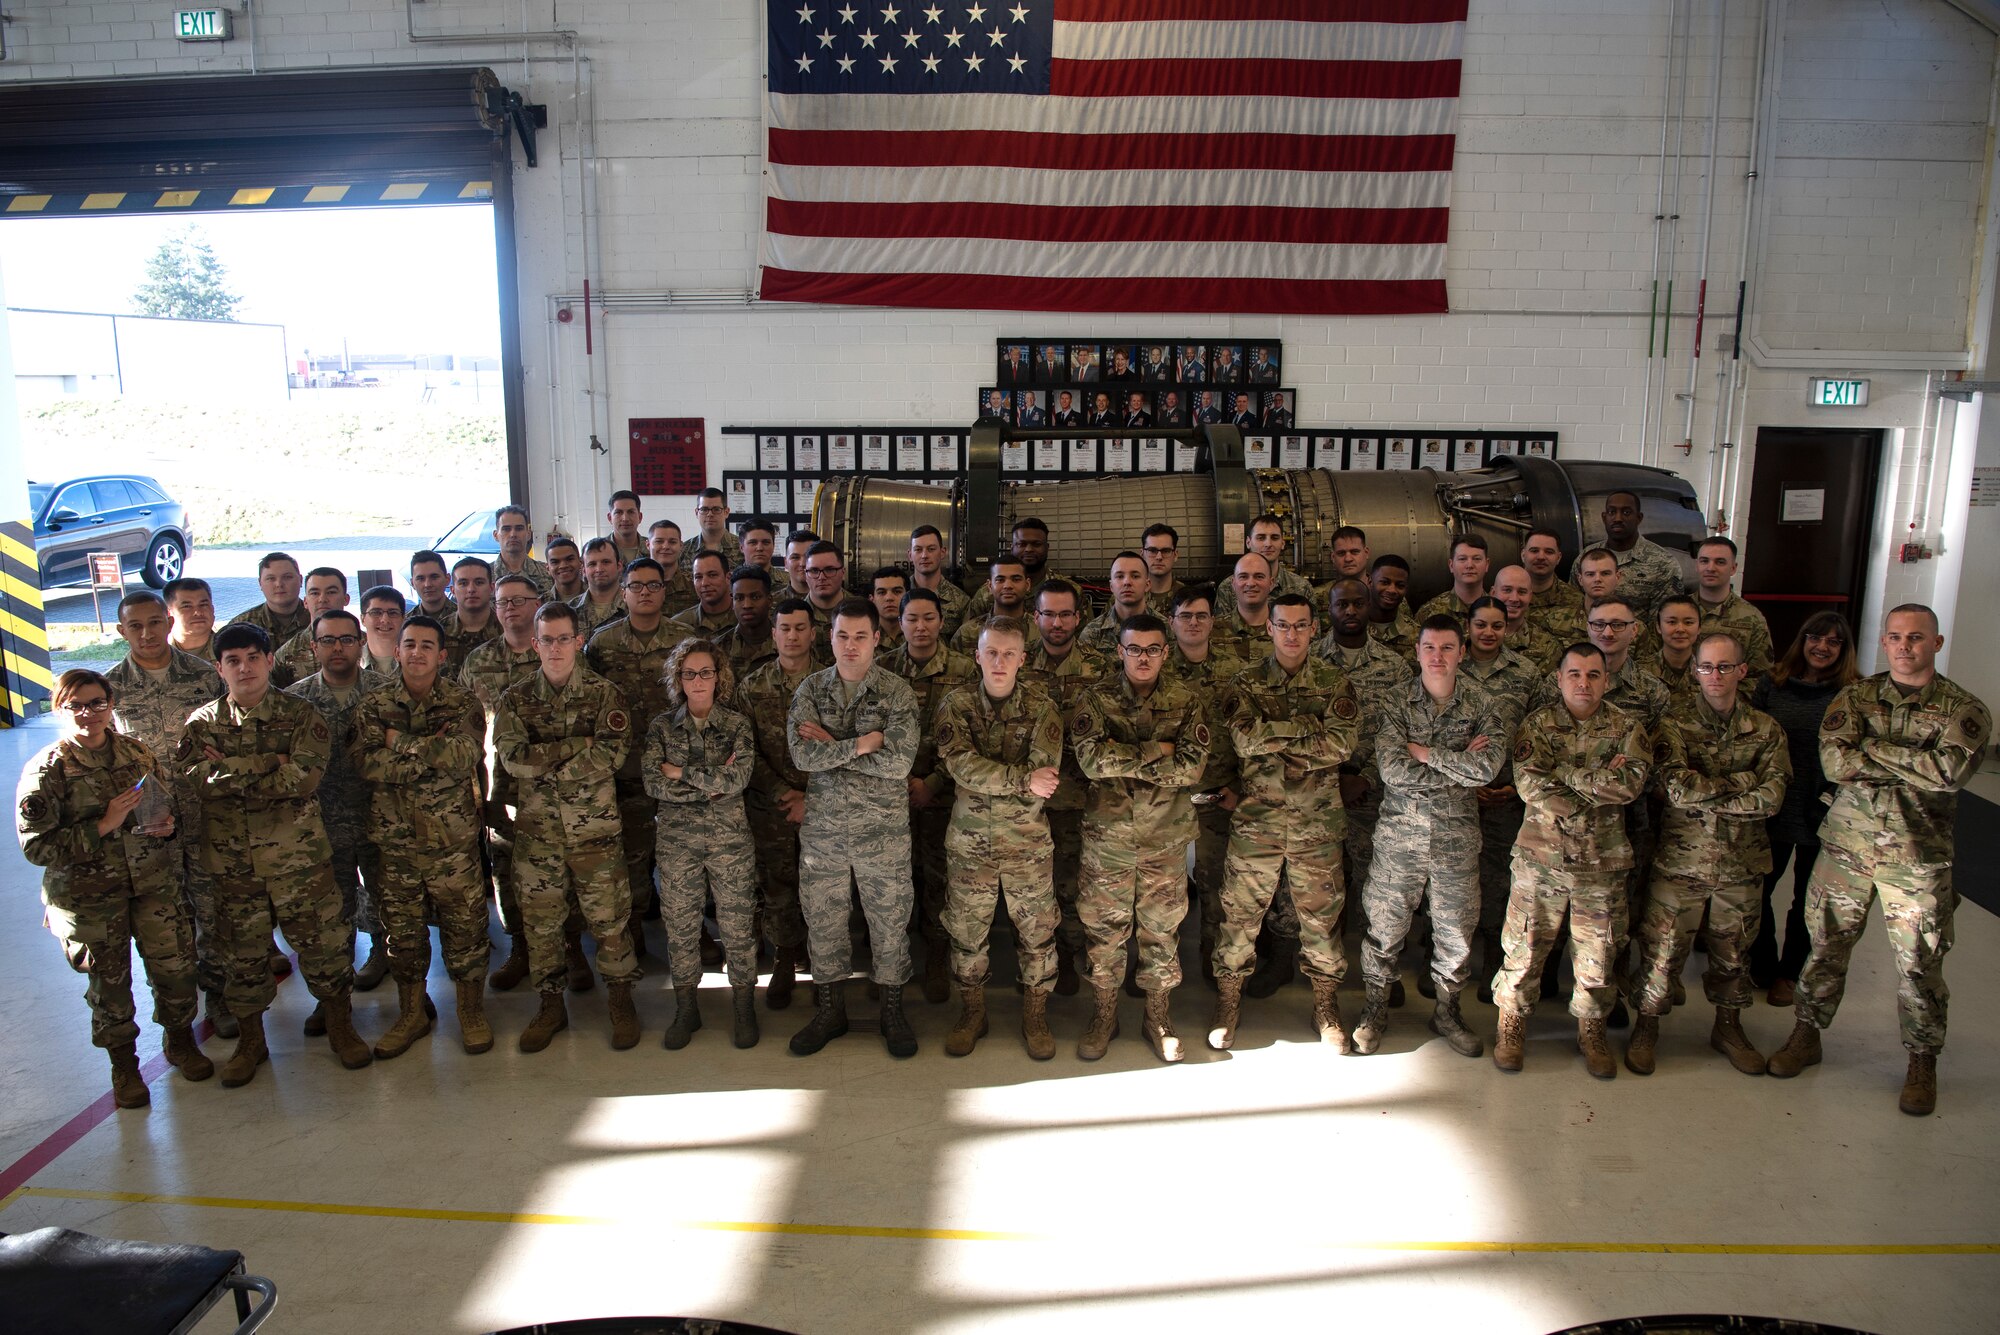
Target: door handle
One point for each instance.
(96, 520)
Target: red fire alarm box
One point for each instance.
(669, 455)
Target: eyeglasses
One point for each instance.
(1194, 618)
(1611, 625)
(1715, 669)
(336, 641)
(83, 707)
(383, 612)
(1159, 551)
(822, 570)
(698, 674)
(645, 585)
(515, 602)
(1143, 650)
(1067, 615)
(556, 641)
(711, 509)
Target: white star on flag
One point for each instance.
(1020, 13)
(846, 13)
(805, 64)
(1016, 64)
(889, 14)
(826, 39)
(805, 14)
(999, 36)
(976, 13)
(933, 14)
(847, 65)
(974, 62)
(954, 37)
(930, 64)
(888, 64)
(868, 40)
(910, 38)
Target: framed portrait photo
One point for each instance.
(1225, 363)
(1052, 363)
(1084, 367)
(1263, 367)
(995, 403)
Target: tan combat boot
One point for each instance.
(971, 1026)
(512, 972)
(1374, 1022)
(1729, 1039)
(1449, 1025)
(183, 1053)
(1160, 1028)
(1510, 1042)
(375, 967)
(1228, 1010)
(241, 1068)
(1919, 1098)
(1326, 1016)
(1639, 1052)
(580, 977)
(342, 1038)
(625, 1015)
(412, 1023)
(1800, 1051)
(550, 1020)
(473, 1029)
(1035, 1026)
(1096, 1040)
(128, 1087)
(1596, 1049)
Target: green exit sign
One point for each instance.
(1826, 392)
(201, 25)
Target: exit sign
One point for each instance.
(201, 25)
(1825, 392)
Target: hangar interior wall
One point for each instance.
(1869, 238)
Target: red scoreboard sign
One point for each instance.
(669, 455)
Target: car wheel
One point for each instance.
(164, 560)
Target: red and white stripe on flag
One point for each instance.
(1257, 156)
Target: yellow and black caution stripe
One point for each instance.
(353, 194)
(24, 637)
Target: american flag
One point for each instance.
(1279, 156)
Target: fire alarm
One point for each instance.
(564, 315)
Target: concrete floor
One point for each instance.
(1277, 1184)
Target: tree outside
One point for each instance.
(185, 281)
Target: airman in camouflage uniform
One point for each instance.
(711, 510)
(1191, 615)
(1437, 740)
(515, 534)
(853, 730)
(1557, 606)
(472, 602)
(1647, 572)
(1899, 745)
(932, 677)
(1001, 741)
(1389, 619)
(747, 642)
(282, 614)
(1469, 565)
(1028, 542)
(325, 591)
(1060, 667)
(565, 733)
(1293, 720)
(1670, 654)
(712, 613)
(256, 757)
(1007, 595)
(1577, 764)
(601, 602)
(418, 744)
(927, 572)
(1721, 608)
(1513, 589)
(1131, 587)
(107, 888)
(1378, 674)
(1724, 767)
(697, 761)
(1509, 681)
(1143, 743)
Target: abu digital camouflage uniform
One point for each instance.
(1428, 836)
(1210, 679)
(425, 799)
(566, 745)
(459, 642)
(632, 660)
(1647, 573)
(265, 846)
(1899, 760)
(1575, 777)
(850, 835)
(590, 616)
(1724, 776)
(765, 698)
(1291, 733)
(1749, 627)
(490, 671)
(1138, 824)
(998, 842)
(931, 680)
(343, 801)
(1065, 682)
(104, 893)
(704, 843)
(155, 711)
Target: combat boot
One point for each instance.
(1590, 1041)
(1228, 1010)
(1374, 1023)
(687, 1019)
(937, 976)
(1639, 1052)
(219, 1018)
(1035, 1026)
(625, 1015)
(1800, 1051)
(315, 1025)
(1729, 1039)
(829, 1019)
(971, 1026)
(1919, 1097)
(1449, 1025)
(1160, 1033)
(411, 1024)
(580, 977)
(128, 1087)
(1275, 967)
(183, 1053)
(514, 970)
(375, 967)
(784, 977)
(897, 1036)
(1067, 981)
(1326, 1017)
(1103, 1028)
(1510, 1042)
(550, 1020)
(743, 1002)
(241, 1068)
(347, 1044)
(473, 1030)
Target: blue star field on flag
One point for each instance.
(891, 47)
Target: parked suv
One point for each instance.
(117, 512)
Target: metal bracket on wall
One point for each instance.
(526, 117)
(1961, 391)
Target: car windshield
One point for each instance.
(473, 534)
(38, 496)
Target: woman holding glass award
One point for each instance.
(93, 811)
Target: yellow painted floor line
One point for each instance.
(978, 1235)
